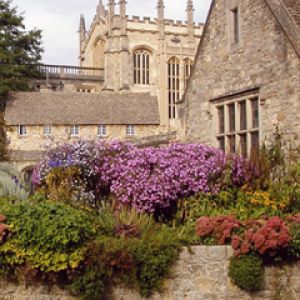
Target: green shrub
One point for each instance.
(107, 263)
(294, 246)
(60, 183)
(247, 272)
(90, 281)
(154, 260)
(47, 237)
(132, 249)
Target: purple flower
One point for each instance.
(148, 179)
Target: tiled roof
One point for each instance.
(57, 108)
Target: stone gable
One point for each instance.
(263, 60)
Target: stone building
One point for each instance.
(142, 55)
(246, 77)
(39, 120)
(132, 71)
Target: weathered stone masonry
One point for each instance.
(265, 58)
(200, 274)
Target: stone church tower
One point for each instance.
(140, 54)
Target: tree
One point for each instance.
(19, 50)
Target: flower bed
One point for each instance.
(144, 203)
(148, 179)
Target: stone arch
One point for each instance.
(141, 66)
(143, 47)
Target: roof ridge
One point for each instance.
(82, 94)
(285, 14)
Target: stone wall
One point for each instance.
(264, 58)
(200, 274)
(35, 139)
(27, 150)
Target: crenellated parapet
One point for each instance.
(114, 18)
(154, 21)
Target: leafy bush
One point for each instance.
(11, 184)
(294, 245)
(92, 278)
(139, 261)
(154, 259)
(65, 184)
(85, 253)
(91, 283)
(46, 237)
(247, 272)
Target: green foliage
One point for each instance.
(11, 185)
(139, 261)
(59, 184)
(247, 272)
(47, 237)
(294, 246)
(154, 255)
(37, 198)
(107, 262)
(48, 240)
(90, 283)
(18, 50)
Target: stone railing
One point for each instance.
(71, 72)
(201, 273)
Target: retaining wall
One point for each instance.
(200, 274)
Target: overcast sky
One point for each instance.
(59, 20)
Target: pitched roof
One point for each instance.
(57, 108)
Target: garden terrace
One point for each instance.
(110, 214)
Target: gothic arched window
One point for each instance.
(173, 85)
(188, 63)
(142, 67)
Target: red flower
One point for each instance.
(220, 227)
(258, 240)
(236, 242)
(245, 248)
(266, 237)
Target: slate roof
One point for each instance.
(58, 108)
